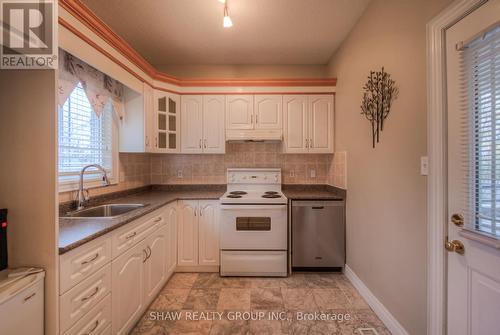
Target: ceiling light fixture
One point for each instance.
(227, 22)
(223, 1)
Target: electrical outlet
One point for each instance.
(179, 174)
(312, 173)
(292, 173)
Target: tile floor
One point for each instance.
(208, 304)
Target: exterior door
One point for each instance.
(213, 124)
(295, 123)
(187, 228)
(128, 289)
(268, 112)
(473, 221)
(209, 233)
(191, 124)
(320, 124)
(239, 112)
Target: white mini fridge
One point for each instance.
(22, 303)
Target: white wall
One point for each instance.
(386, 206)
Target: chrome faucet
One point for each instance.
(81, 193)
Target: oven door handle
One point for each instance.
(253, 207)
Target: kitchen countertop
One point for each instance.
(313, 192)
(75, 232)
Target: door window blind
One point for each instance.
(482, 65)
(84, 138)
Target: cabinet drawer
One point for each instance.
(95, 322)
(80, 299)
(131, 234)
(82, 262)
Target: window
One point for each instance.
(482, 61)
(84, 138)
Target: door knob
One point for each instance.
(455, 246)
(457, 219)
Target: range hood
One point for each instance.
(254, 135)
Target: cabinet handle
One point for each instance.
(156, 142)
(96, 324)
(256, 118)
(147, 141)
(150, 252)
(90, 260)
(131, 235)
(200, 143)
(205, 143)
(145, 255)
(311, 143)
(199, 209)
(29, 297)
(195, 211)
(158, 219)
(96, 290)
(307, 143)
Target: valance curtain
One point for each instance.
(100, 88)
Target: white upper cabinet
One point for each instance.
(239, 112)
(213, 124)
(295, 123)
(137, 124)
(167, 122)
(191, 124)
(202, 124)
(309, 123)
(321, 124)
(268, 112)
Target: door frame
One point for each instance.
(437, 152)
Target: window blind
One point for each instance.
(84, 138)
(481, 60)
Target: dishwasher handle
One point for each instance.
(318, 204)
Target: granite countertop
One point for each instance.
(75, 232)
(313, 192)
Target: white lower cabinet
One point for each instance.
(155, 269)
(198, 233)
(171, 225)
(128, 288)
(110, 281)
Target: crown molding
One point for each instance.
(84, 15)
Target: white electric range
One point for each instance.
(254, 224)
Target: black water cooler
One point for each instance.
(3, 239)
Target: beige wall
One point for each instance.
(244, 71)
(28, 175)
(135, 171)
(386, 207)
(211, 169)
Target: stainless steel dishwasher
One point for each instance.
(318, 235)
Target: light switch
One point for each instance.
(424, 166)
(179, 174)
(292, 173)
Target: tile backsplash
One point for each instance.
(138, 170)
(211, 169)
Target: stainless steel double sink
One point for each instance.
(103, 211)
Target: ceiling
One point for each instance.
(270, 32)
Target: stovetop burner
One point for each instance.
(234, 196)
(271, 192)
(271, 196)
(238, 192)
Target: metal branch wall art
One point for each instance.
(380, 92)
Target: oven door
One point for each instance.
(253, 227)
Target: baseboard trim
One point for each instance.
(383, 313)
(197, 268)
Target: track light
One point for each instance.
(227, 22)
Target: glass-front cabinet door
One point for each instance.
(167, 122)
